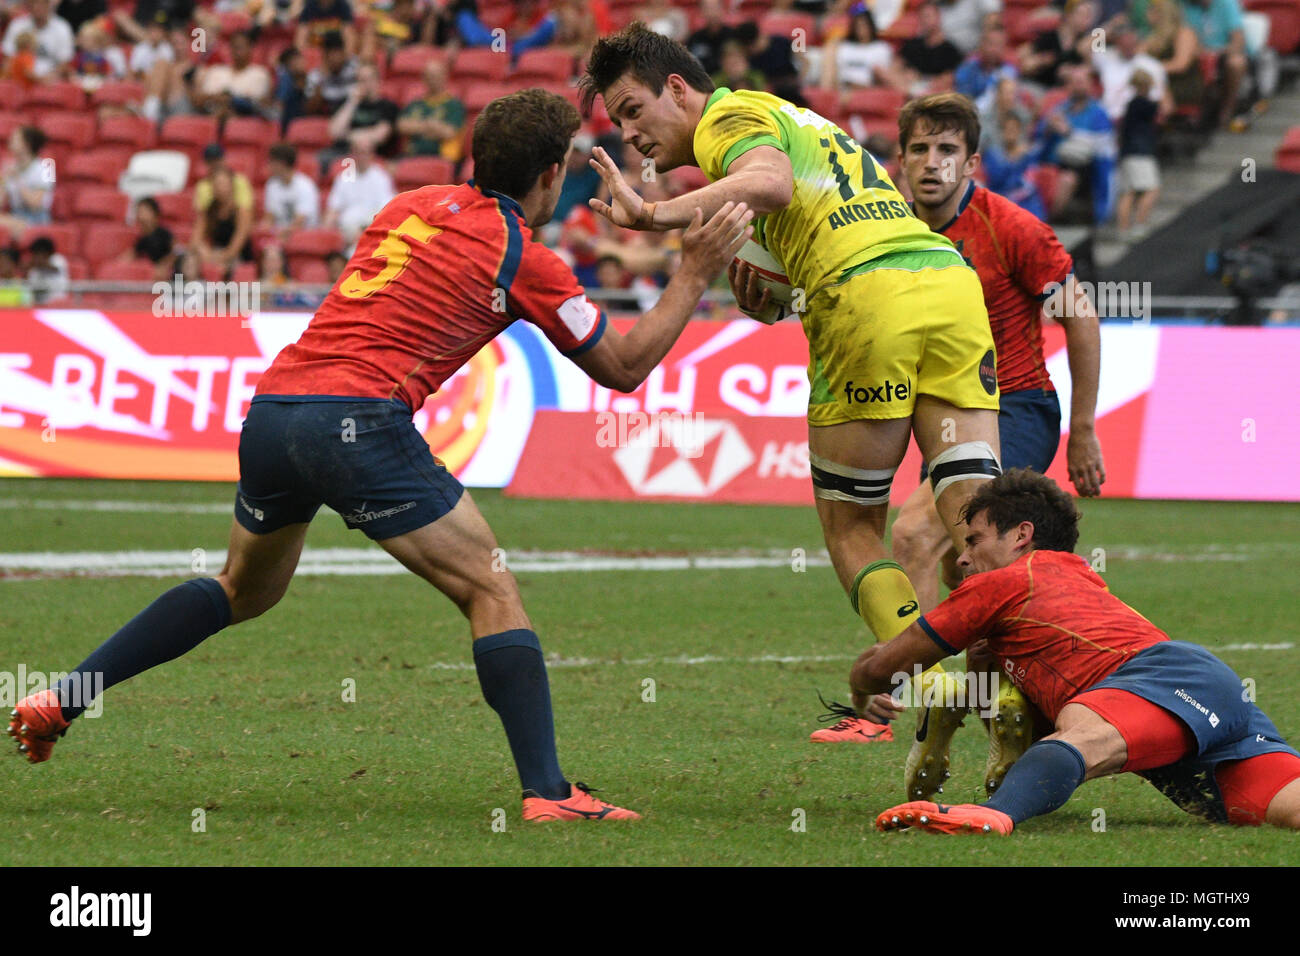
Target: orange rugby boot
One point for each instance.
(579, 805)
(945, 818)
(37, 723)
(850, 729)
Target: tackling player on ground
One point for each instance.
(440, 272)
(1122, 695)
(1024, 271)
(899, 341)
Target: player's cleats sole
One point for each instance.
(853, 730)
(927, 762)
(1011, 731)
(37, 723)
(578, 805)
(959, 818)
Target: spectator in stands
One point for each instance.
(291, 200)
(152, 49)
(616, 284)
(706, 42)
(662, 17)
(773, 56)
(224, 227)
(861, 59)
(358, 194)
(329, 86)
(272, 270)
(241, 88)
(1042, 58)
(1218, 26)
(47, 272)
(1175, 45)
(964, 19)
(578, 24)
(9, 268)
(981, 74)
(291, 86)
(169, 86)
(1139, 173)
(387, 31)
(270, 13)
(528, 25)
(172, 14)
(1079, 137)
(96, 59)
(736, 73)
(434, 125)
(21, 67)
(929, 58)
(335, 262)
(27, 180)
(1116, 64)
(214, 157)
(153, 241)
(77, 12)
(1011, 167)
(365, 118)
(55, 45)
(322, 18)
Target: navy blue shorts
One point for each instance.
(1029, 430)
(1208, 696)
(362, 457)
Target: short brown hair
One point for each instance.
(1022, 495)
(518, 137)
(650, 57)
(941, 112)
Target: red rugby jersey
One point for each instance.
(1051, 622)
(1016, 256)
(439, 273)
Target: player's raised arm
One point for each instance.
(622, 362)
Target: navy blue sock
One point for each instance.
(1040, 781)
(175, 623)
(512, 673)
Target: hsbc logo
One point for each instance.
(684, 463)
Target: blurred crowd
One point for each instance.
(255, 139)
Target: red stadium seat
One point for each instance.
(314, 242)
(244, 272)
(904, 28)
(135, 131)
(56, 96)
(101, 202)
(133, 270)
(408, 62)
(309, 132)
(874, 104)
(1051, 100)
(66, 238)
(78, 268)
(249, 131)
(416, 171)
(825, 103)
(188, 134)
(311, 270)
(75, 129)
(546, 63)
(1045, 178)
(107, 240)
(234, 21)
(394, 89)
(117, 93)
(12, 94)
(784, 23)
(103, 164)
(1284, 23)
(62, 201)
(176, 207)
(9, 121)
(479, 95)
(246, 160)
(480, 63)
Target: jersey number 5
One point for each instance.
(395, 252)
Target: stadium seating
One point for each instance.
(66, 238)
(135, 131)
(479, 63)
(107, 240)
(249, 131)
(547, 64)
(117, 93)
(132, 270)
(311, 245)
(409, 61)
(309, 132)
(55, 96)
(100, 202)
(188, 134)
(416, 171)
(73, 129)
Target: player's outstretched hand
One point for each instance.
(751, 295)
(625, 208)
(707, 247)
(1083, 459)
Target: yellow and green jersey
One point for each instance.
(845, 211)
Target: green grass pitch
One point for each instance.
(252, 727)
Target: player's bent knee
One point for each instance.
(832, 481)
(967, 461)
(248, 603)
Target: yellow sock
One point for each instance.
(886, 600)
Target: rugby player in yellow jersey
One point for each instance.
(898, 337)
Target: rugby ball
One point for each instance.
(772, 277)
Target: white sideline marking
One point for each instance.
(680, 660)
(119, 505)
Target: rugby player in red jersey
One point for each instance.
(1019, 261)
(1123, 697)
(440, 271)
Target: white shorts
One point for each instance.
(1139, 174)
